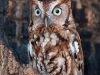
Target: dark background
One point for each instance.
(14, 20)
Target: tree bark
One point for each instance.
(9, 65)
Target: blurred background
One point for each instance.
(14, 20)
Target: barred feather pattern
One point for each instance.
(56, 53)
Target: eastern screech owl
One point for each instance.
(54, 44)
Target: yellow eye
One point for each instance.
(38, 12)
(57, 11)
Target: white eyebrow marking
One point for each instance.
(40, 4)
(52, 5)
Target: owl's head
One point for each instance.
(49, 14)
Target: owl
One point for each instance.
(54, 44)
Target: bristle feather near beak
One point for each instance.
(46, 21)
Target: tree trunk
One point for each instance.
(9, 65)
(13, 57)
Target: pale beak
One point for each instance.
(46, 21)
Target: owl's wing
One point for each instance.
(75, 49)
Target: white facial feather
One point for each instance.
(36, 23)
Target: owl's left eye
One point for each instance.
(57, 11)
(38, 12)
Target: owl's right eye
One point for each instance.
(38, 12)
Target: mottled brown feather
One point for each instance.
(55, 46)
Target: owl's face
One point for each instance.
(50, 14)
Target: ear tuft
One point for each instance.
(69, 3)
(33, 1)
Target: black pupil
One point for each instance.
(57, 11)
(38, 11)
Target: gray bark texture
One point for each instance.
(9, 65)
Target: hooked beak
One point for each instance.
(46, 21)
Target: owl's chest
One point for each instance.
(50, 53)
(49, 42)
